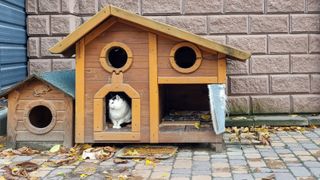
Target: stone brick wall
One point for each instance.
(283, 75)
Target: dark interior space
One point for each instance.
(117, 57)
(181, 106)
(40, 116)
(185, 57)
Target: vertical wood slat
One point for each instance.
(136, 115)
(68, 124)
(222, 68)
(98, 114)
(12, 121)
(80, 96)
(153, 89)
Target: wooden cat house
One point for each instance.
(163, 72)
(40, 110)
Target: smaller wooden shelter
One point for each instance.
(40, 109)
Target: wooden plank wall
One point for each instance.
(208, 67)
(137, 75)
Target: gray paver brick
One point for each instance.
(242, 177)
(300, 171)
(315, 171)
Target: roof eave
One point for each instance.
(85, 28)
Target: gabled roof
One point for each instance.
(109, 11)
(62, 80)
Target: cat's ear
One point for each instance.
(117, 97)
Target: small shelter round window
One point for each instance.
(40, 117)
(116, 57)
(185, 57)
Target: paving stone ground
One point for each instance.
(292, 155)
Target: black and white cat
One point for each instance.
(119, 111)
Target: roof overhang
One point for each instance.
(66, 46)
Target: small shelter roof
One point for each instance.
(62, 80)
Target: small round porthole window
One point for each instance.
(185, 57)
(116, 57)
(40, 118)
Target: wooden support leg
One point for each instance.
(218, 147)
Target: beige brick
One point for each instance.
(33, 47)
(46, 43)
(249, 6)
(261, 64)
(228, 24)
(64, 24)
(238, 104)
(161, 7)
(39, 65)
(237, 67)
(63, 64)
(86, 7)
(305, 63)
(306, 103)
(270, 104)
(162, 19)
(288, 43)
(202, 6)
(194, 24)
(290, 83)
(129, 5)
(49, 6)
(305, 23)
(220, 39)
(256, 44)
(32, 6)
(269, 23)
(69, 6)
(38, 25)
(248, 84)
(285, 6)
(314, 43)
(313, 5)
(315, 83)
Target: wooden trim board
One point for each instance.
(153, 89)
(187, 80)
(80, 96)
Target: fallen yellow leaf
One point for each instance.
(1, 145)
(83, 175)
(55, 148)
(197, 125)
(205, 117)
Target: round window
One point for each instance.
(185, 57)
(116, 57)
(40, 116)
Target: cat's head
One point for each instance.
(116, 102)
